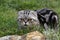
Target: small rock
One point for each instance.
(34, 36)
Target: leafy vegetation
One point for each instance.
(9, 9)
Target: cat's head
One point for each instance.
(27, 18)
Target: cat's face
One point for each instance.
(27, 18)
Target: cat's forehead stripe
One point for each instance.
(26, 12)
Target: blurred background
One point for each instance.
(9, 9)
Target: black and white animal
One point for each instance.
(27, 18)
(47, 18)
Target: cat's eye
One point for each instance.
(32, 19)
(21, 19)
(29, 19)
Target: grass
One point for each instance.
(9, 9)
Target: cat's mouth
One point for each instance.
(25, 25)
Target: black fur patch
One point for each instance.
(50, 13)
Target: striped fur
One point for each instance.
(47, 17)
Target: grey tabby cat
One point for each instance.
(27, 18)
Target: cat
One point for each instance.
(48, 17)
(27, 18)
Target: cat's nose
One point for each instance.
(25, 23)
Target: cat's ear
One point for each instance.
(20, 13)
(33, 14)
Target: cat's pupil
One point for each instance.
(22, 19)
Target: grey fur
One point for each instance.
(27, 18)
(48, 18)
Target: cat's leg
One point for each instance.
(46, 26)
(56, 25)
(19, 26)
(55, 22)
